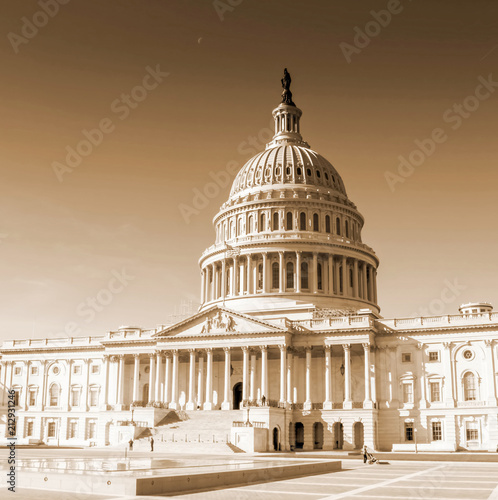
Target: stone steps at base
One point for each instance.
(188, 447)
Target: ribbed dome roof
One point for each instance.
(287, 164)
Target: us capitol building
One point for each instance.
(288, 341)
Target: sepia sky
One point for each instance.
(102, 242)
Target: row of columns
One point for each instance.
(200, 387)
(239, 275)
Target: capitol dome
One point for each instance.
(288, 239)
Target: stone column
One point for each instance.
(208, 405)
(370, 284)
(283, 355)
(364, 281)
(227, 403)
(264, 372)
(216, 280)
(69, 363)
(4, 365)
(235, 275)
(242, 275)
(86, 375)
(245, 373)
(200, 384)
(252, 388)
(331, 275)
(314, 273)
(336, 278)
(157, 392)
(327, 404)
(344, 275)
(43, 378)
(121, 380)
(421, 365)
(105, 402)
(223, 278)
(213, 271)
(373, 376)
(348, 402)
(449, 398)
(174, 382)
(374, 284)
(367, 403)
(167, 379)
(490, 373)
(136, 377)
(203, 286)
(393, 361)
(356, 292)
(191, 381)
(248, 278)
(290, 359)
(298, 272)
(265, 272)
(307, 403)
(152, 377)
(281, 281)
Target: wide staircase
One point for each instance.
(192, 432)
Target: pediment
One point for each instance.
(218, 321)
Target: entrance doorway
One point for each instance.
(358, 435)
(275, 439)
(299, 431)
(338, 436)
(318, 436)
(237, 395)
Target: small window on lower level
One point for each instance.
(434, 356)
(437, 431)
(406, 357)
(408, 431)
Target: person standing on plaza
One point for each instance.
(151, 443)
(131, 444)
(365, 454)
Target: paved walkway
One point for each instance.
(396, 481)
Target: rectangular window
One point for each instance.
(73, 428)
(437, 431)
(16, 397)
(77, 369)
(94, 396)
(51, 429)
(408, 431)
(32, 397)
(75, 396)
(17, 370)
(95, 368)
(406, 357)
(92, 430)
(408, 393)
(434, 356)
(29, 428)
(435, 392)
(472, 431)
(34, 370)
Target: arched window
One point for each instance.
(54, 395)
(304, 275)
(260, 277)
(338, 226)
(469, 387)
(341, 282)
(289, 221)
(275, 268)
(290, 275)
(346, 224)
(262, 221)
(316, 225)
(251, 224)
(275, 221)
(351, 278)
(239, 227)
(302, 221)
(232, 229)
(319, 276)
(327, 223)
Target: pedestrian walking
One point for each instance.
(365, 454)
(131, 444)
(151, 443)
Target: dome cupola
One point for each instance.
(288, 239)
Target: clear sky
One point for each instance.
(103, 243)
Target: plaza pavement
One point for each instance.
(395, 480)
